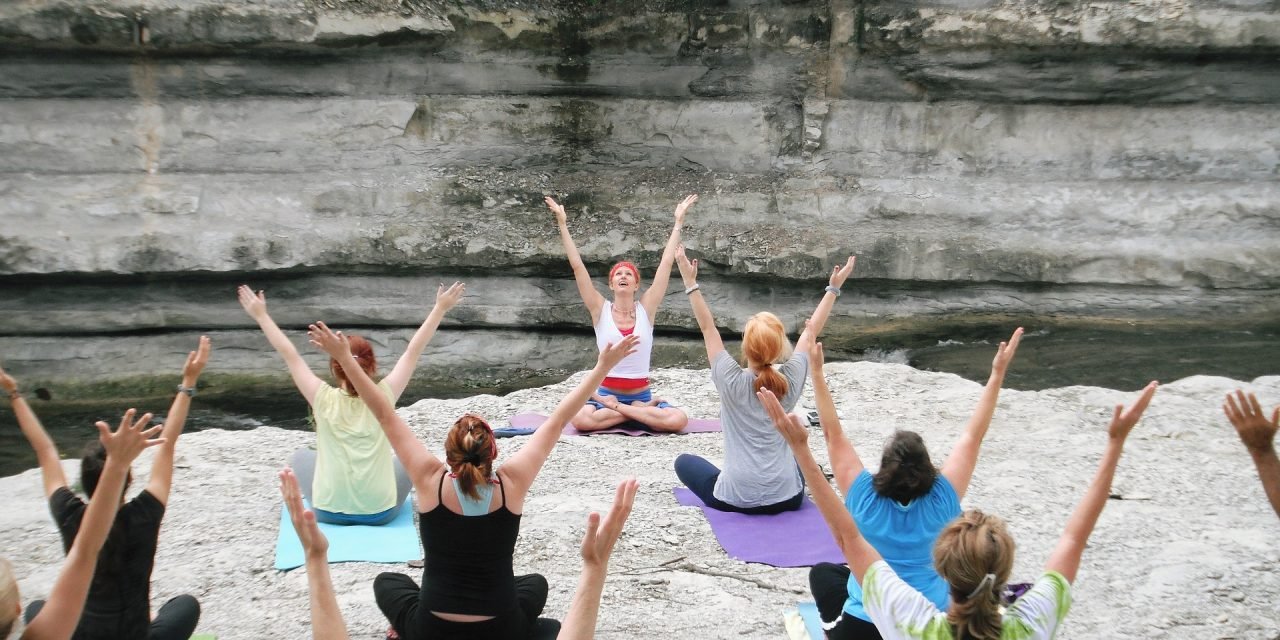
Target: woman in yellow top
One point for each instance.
(352, 476)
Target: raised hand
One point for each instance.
(789, 425)
(1251, 423)
(557, 209)
(1004, 354)
(688, 268)
(612, 354)
(1124, 419)
(254, 304)
(447, 299)
(683, 207)
(602, 534)
(124, 444)
(840, 273)
(7, 382)
(196, 360)
(331, 342)
(815, 357)
(304, 520)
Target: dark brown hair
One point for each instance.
(363, 352)
(906, 472)
(469, 450)
(91, 464)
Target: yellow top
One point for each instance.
(354, 474)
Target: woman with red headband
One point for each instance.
(625, 396)
(469, 588)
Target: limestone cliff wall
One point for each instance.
(1097, 161)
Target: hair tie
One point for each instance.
(987, 581)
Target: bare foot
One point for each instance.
(609, 402)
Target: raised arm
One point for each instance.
(418, 461)
(658, 289)
(1065, 558)
(958, 468)
(446, 299)
(590, 297)
(701, 312)
(857, 551)
(818, 320)
(46, 451)
(1258, 435)
(256, 306)
(61, 612)
(162, 466)
(525, 464)
(326, 617)
(597, 545)
(844, 458)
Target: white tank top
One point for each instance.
(635, 365)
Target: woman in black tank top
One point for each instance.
(469, 588)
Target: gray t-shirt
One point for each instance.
(758, 468)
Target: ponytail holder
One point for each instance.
(987, 582)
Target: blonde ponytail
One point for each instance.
(974, 554)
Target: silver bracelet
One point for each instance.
(690, 290)
(190, 391)
(835, 290)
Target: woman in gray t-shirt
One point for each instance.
(760, 474)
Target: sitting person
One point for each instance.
(973, 554)
(119, 601)
(351, 477)
(579, 624)
(469, 515)
(625, 394)
(1258, 435)
(759, 475)
(58, 617)
(903, 507)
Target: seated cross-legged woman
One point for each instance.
(469, 516)
(351, 477)
(759, 474)
(903, 507)
(119, 601)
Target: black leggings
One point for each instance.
(400, 600)
(700, 476)
(176, 620)
(830, 586)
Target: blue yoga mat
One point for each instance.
(812, 622)
(396, 541)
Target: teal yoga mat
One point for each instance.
(812, 622)
(396, 541)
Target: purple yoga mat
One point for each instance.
(797, 538)
(696, 425)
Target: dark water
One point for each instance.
(1117, 358)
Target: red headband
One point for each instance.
(624, 265)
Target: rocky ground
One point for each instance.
(1187, 548)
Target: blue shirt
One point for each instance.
(903, 535)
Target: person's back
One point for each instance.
(469, 554)
(354, 472)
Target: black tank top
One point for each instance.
(468, 559)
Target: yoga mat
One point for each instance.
(532, 420)
(797, 538)
(511, 432)
(396, 541)
(812, 622)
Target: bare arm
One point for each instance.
(701, 312)
(597, 545)
(818, 320)
(844, 458)
(590, 297)
(1065, 558)
(1258, 435)
(653, 295)
(303, 378)
(446, 299)
(857, 551)
(61, 612)
(524, 465)
(41, 443)
(958, 469)
(418, 461)
(326, 617)
(161, 479)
